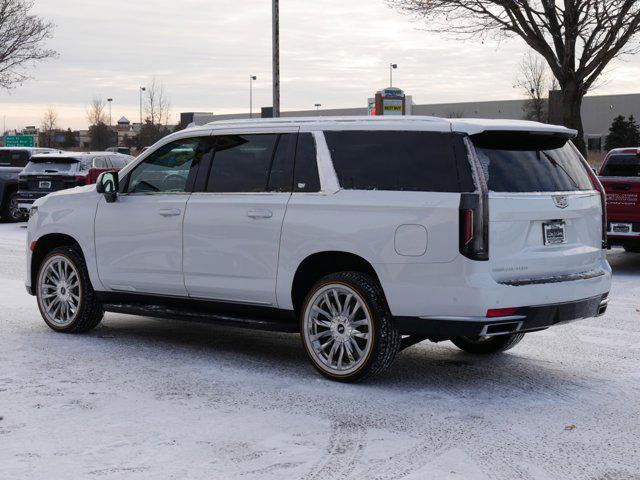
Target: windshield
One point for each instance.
(13, 158)
(627, 165)
(52, 165)
(530, 163)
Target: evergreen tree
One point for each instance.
(623, 133)
(69, 139)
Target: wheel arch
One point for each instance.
(320, 264)
(45, 244)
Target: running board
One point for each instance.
(273, 320)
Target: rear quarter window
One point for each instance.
(394, 160)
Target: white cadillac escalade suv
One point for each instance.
(365, 235)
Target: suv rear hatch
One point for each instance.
(545, 215)
(44, 175)
(620, 177)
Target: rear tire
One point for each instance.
(66, 299)
(10, 211)
(347, 329)
(488, 345)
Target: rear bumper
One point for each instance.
(26, 199)
(527, 319)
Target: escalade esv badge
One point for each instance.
(561, 201)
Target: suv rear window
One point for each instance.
(516, 162)
(627, 165)
(52, 165)
(14, 158)
(394, 160)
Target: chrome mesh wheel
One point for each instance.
(337, 329)
(59, 292)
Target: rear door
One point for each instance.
(233, 224)
(44, 175)
(545, 216)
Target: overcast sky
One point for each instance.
(334, 52)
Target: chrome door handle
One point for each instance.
(260, 214)
(169, 212)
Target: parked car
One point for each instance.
(122, 150)
(620, 176)
(365, 235)
(46, 173)
(12, 161)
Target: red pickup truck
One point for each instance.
(620, 177)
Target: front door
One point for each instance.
(139, 236)
(232, 228)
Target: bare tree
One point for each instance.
(49, 125)
(96, 111)
(577, 38)
(535, 82)
(157, 108)
(22, 37)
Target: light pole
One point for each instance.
(109, 100)
(317, 105)
(275, 11)
(142, 89)
(392, 67)
(252, 78)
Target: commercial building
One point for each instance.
(598, 112)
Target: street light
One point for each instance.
(392, 67)
(109, 100)
(142, 89)
(317, 105)
(252, 78)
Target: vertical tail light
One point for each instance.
(595, 181)
(474, 212)
(81, 180)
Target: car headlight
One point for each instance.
(33, 211)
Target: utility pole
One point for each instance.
(251, 80)
(276, 57)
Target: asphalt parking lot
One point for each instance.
(142, 398)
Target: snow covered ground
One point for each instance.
(147, 399)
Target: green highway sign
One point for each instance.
(19, 141)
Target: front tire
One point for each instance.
(632, 248)
(347, 329)
(488, 345)
(66, 299)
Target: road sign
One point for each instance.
(19, 141)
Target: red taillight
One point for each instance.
(603, 197)
(32, 247)
(81, 180)
(467, 226)
(501, 312)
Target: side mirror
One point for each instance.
(107, 184)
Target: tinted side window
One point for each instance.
(394, 160)
(101, 163)
(306, 178)
(242, 163)
(281, 176)
(14, 158)
(167, 169)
